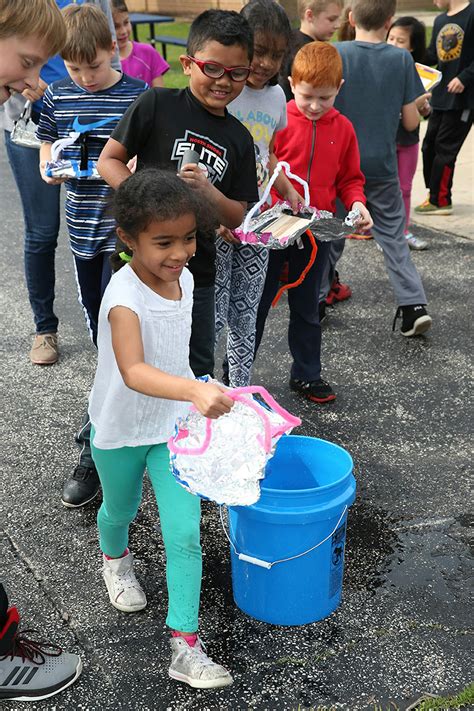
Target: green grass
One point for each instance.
(174, 78)
(465, 699)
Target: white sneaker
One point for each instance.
(193, 666)
(124, 590)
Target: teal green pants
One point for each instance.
(121, 476)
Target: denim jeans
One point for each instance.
(40, 203)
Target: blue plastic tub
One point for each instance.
(287, 550)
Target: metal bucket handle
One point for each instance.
(267, 564)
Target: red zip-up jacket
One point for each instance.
(326, 154)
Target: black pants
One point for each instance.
(304, 330)
(447, 131)
(92, 277)
(203, 331)
(3, 605)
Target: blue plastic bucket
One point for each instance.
(287, 550)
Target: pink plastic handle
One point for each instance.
(237, 394)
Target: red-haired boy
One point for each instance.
(321, 146)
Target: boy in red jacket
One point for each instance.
(321, 146)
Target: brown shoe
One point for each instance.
(45, 349)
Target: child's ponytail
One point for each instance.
(121, 256)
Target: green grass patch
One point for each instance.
(174, 78)
(465, 699)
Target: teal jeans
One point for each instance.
(121, 476)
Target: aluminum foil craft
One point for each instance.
(84, 168)
(278, 227)
(224, 460)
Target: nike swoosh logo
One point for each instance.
(79, 127)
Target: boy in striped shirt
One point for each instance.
(94, 95)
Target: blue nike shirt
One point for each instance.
(66, 108)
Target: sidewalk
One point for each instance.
(461, 222)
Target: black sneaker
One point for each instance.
(318, 390)
(32, 669)
(415, 320)
(81, 488)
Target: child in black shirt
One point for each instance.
(164, 123)
(319, 19)
(452, 47)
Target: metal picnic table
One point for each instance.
(140, 18)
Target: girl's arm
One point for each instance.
(127, 343)
(157, 81)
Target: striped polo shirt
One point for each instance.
(91, 227)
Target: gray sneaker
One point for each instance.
(194, 667)
(415, 242)
(34, 670)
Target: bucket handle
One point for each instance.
(265, 563)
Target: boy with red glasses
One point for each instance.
(214, 70)
(164, 124)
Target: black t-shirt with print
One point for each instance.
(452, 48)
(163, 124)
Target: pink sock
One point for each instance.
(191, 639)
(109, 557)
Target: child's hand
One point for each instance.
(365, 222)
(132, 164)
(293, 197)
(455, 86)
(47, 178)
(227, 235)
(194, 176)
(422, 103)
(35, 94)
(211, 400)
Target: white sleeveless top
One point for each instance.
(123, 417)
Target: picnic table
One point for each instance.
(140, 18)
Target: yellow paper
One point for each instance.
(429, 77)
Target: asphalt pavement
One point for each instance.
(402, 411)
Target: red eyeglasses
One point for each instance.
(214, 70)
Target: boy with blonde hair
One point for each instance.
(28, 676)
(319, 19)
(94, 95)
(29, 34)
(92, 100)
(381, 84)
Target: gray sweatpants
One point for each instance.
(385, 204)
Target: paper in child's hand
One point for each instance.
(429, 77)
